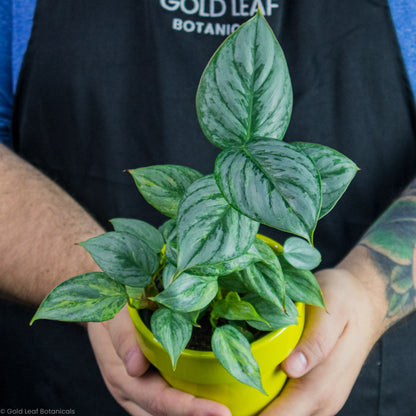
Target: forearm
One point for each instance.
(40, 226)
(385, 258)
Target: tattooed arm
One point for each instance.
(370, 290)
(391, 242)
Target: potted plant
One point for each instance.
(206, 273)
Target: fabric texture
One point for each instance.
(6, 94)
(15, 28)
(16, 24)
(404, 17)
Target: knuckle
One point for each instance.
(157, 407)
(115, 389)
(327, 404)
(318, 406)
(114, 386)
(110, 379)
(316, 347)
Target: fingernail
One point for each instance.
(295, 364)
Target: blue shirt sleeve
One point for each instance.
(6, 89)
(404, 18)
(22, 20)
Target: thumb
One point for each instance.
(321, 333)
(122, 334)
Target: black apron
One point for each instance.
(107, 86)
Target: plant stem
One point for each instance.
(158, 273)
(213, 319)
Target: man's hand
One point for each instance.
(136, 387)
(333, 347)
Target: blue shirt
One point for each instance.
(16, 18)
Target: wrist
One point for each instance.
(359, 266)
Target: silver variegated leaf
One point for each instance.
(163, 186)
(230, 266)
(336, 170)
(124, 257)
(188, 293)
(301, 285)
(266, 280)
(233, 351)
(300, 254)
(272, 182)
(90, 297)
(210, 231)
(235, 309)
(245, 90)
(142, 230)
(172, 330)
(275, 316)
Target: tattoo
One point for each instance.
(391, 242)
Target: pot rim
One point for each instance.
(255, 345)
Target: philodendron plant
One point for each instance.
(205, 262)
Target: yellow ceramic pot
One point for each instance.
(201, 374)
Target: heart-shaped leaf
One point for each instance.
(172, 330)
(301, 285)
(266, 280)
(210, 231)
(188, 293)
(230, 266)
(142, 230)
(124, 257)
(245, 90)
(275, 316)
(163, 186)
(272, 182)
(300, 254)
(336, 170)
(90, 297)
(233, 351)
(238, 282)
(235, 309)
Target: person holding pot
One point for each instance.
(91, 89)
